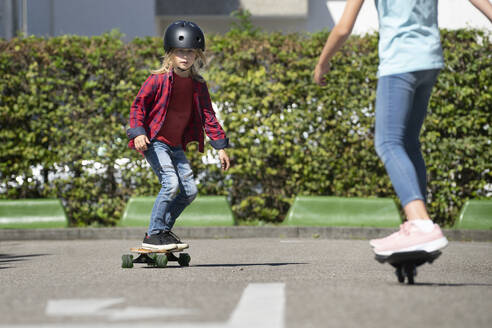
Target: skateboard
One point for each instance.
(406, 263)
(155, 258)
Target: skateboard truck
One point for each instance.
(406, 263)
(155, 258)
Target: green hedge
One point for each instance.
(64, 105)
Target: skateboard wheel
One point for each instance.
(410, 272)
(161, 261)
(184, 259)
(400, 275)
(127, 261)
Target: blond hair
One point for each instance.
(167, 64)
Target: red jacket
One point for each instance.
(149, 109)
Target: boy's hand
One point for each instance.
(224, 160)
(141, 142)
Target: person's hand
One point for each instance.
(141, 142)
(224, 160)
(319, 73)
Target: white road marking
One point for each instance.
(98, 307)
(134, 312)
(77, 307)
(262, 305)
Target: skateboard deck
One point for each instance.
(406, 263)
(155, 257)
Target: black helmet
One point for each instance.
(184, 34)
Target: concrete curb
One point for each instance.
(228, 232)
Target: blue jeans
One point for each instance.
(401, 107)
(178, 185)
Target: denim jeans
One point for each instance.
(401, 107)
(178, 185)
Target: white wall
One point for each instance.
(453, 14)
(461, 13)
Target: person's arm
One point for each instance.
(213, 129)
(143, 101)
(337, 37)
(484, 6)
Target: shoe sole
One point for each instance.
(427, 247)
(167, 247)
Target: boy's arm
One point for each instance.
(142, 103)
(213, 129)
(337, 37)
(484, 6)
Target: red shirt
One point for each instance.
(178, 113)
(148, 113)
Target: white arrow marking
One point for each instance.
(133, 312)
(260, 306)
(71, 307)
(97, 307)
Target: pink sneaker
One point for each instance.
(375, 242)
(410, 238)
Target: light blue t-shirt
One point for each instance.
(409, 37)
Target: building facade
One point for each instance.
(150, 17)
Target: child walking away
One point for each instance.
(410, 58)
(171, 109)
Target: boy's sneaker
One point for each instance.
(178, 241)
(158, 242)
(408, 239)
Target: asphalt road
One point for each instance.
(251, 282)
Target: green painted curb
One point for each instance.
(343, 212)
(32, 214)
(204, 211)
(475, 215)
(136, 233)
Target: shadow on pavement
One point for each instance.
(247, 264)
(431, 284)
(230, 265)
(9, 258)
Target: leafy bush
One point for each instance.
(64, 105)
